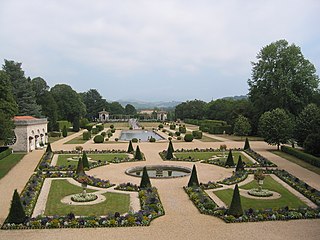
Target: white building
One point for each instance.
(104, 116)
(162, 115)
(30, 133)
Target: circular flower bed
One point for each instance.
(84, 197)
(260, 192)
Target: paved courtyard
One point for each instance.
(182, 219)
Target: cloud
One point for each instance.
(143, 42)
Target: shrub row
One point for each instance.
(6, 152)
(315, 161)
(235, 178)
(197, 134)
(264, 162)
(211, 126)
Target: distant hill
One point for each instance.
(236, 97)
(149, 105)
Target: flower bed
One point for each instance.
(201, 200)
(84, 197)
(223, 163)
(260, 192)
(93, 181)
(235, 178)
(128, 187)
(264, 162)
(210, 185)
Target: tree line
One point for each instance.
(282, 104)
(23, 96)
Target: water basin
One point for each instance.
(160, 171)
(143, 135)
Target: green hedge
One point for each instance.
(5, 153)
(182, 129)
(100, 127)
(197, 134)
(98, 139)
(95, 130)
(64, 123)
(302, 155)
(211, 126)
(86, 135)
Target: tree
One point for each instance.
(116, 108)
(235, 208)
(229, 161)
(282, 78)
(39, 86)
(76, 124)
(307, 122)
(145, 180)
(130, 147)
(8, 108)
(246, 144)
(240, 165)
(16, 213)
(193, 181)
(22, 89)
(312, 144)
(49, 109)
(130, 110)
(94, 103)
(85, 161)
(170, 151)
(138, 154)
(64, 131)
(49, 149)
(80, 168)
(242, 126)
(191, 109)
(68, 101)
(276, 127)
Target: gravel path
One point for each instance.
(182, 219)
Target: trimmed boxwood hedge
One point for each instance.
(86, 135)
(315, 161)
(98, 139)
(188, 137)
(5, 153)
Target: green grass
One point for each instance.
(77, 140)
(63, 158)
(207, 155)
(7, 163)
(115, 202)
(53, 139)
(239, 138)
(297, 161)
(208, 139)
(286, 199)
(117, 125)
(150, 124)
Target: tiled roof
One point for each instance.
(23, 118)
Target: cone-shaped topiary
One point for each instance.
(49, 149)
(246, 144)
(16, 213)
(240, 165)
(85, 161)
(145, 180)
(230, 161)
(80, 170)
(193, 181)
(138, 154)
(170, 151)
(64, 131)
(130, 147)
(235, 208)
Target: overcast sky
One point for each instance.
(153, 50)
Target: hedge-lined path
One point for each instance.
(182, 219)
(17, 178)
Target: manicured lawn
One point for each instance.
(117, 125)
(115, 202)
(208, 139)
(207, 155)
(297, 161)
(150, 124)
(77, 140)
(9, 162)
(286, 199)
(63, 158)
(240, 139)
(53, 139)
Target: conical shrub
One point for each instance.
(170, 151)
(130, 147)
(49, 149)
(145, 180)
(235, 208)
(138, 154)
(193, 181)
(16, 213)
(64, 131)
(246, 144)
(80, 168)
(85, 161)
(230, 161)
(240, 165)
